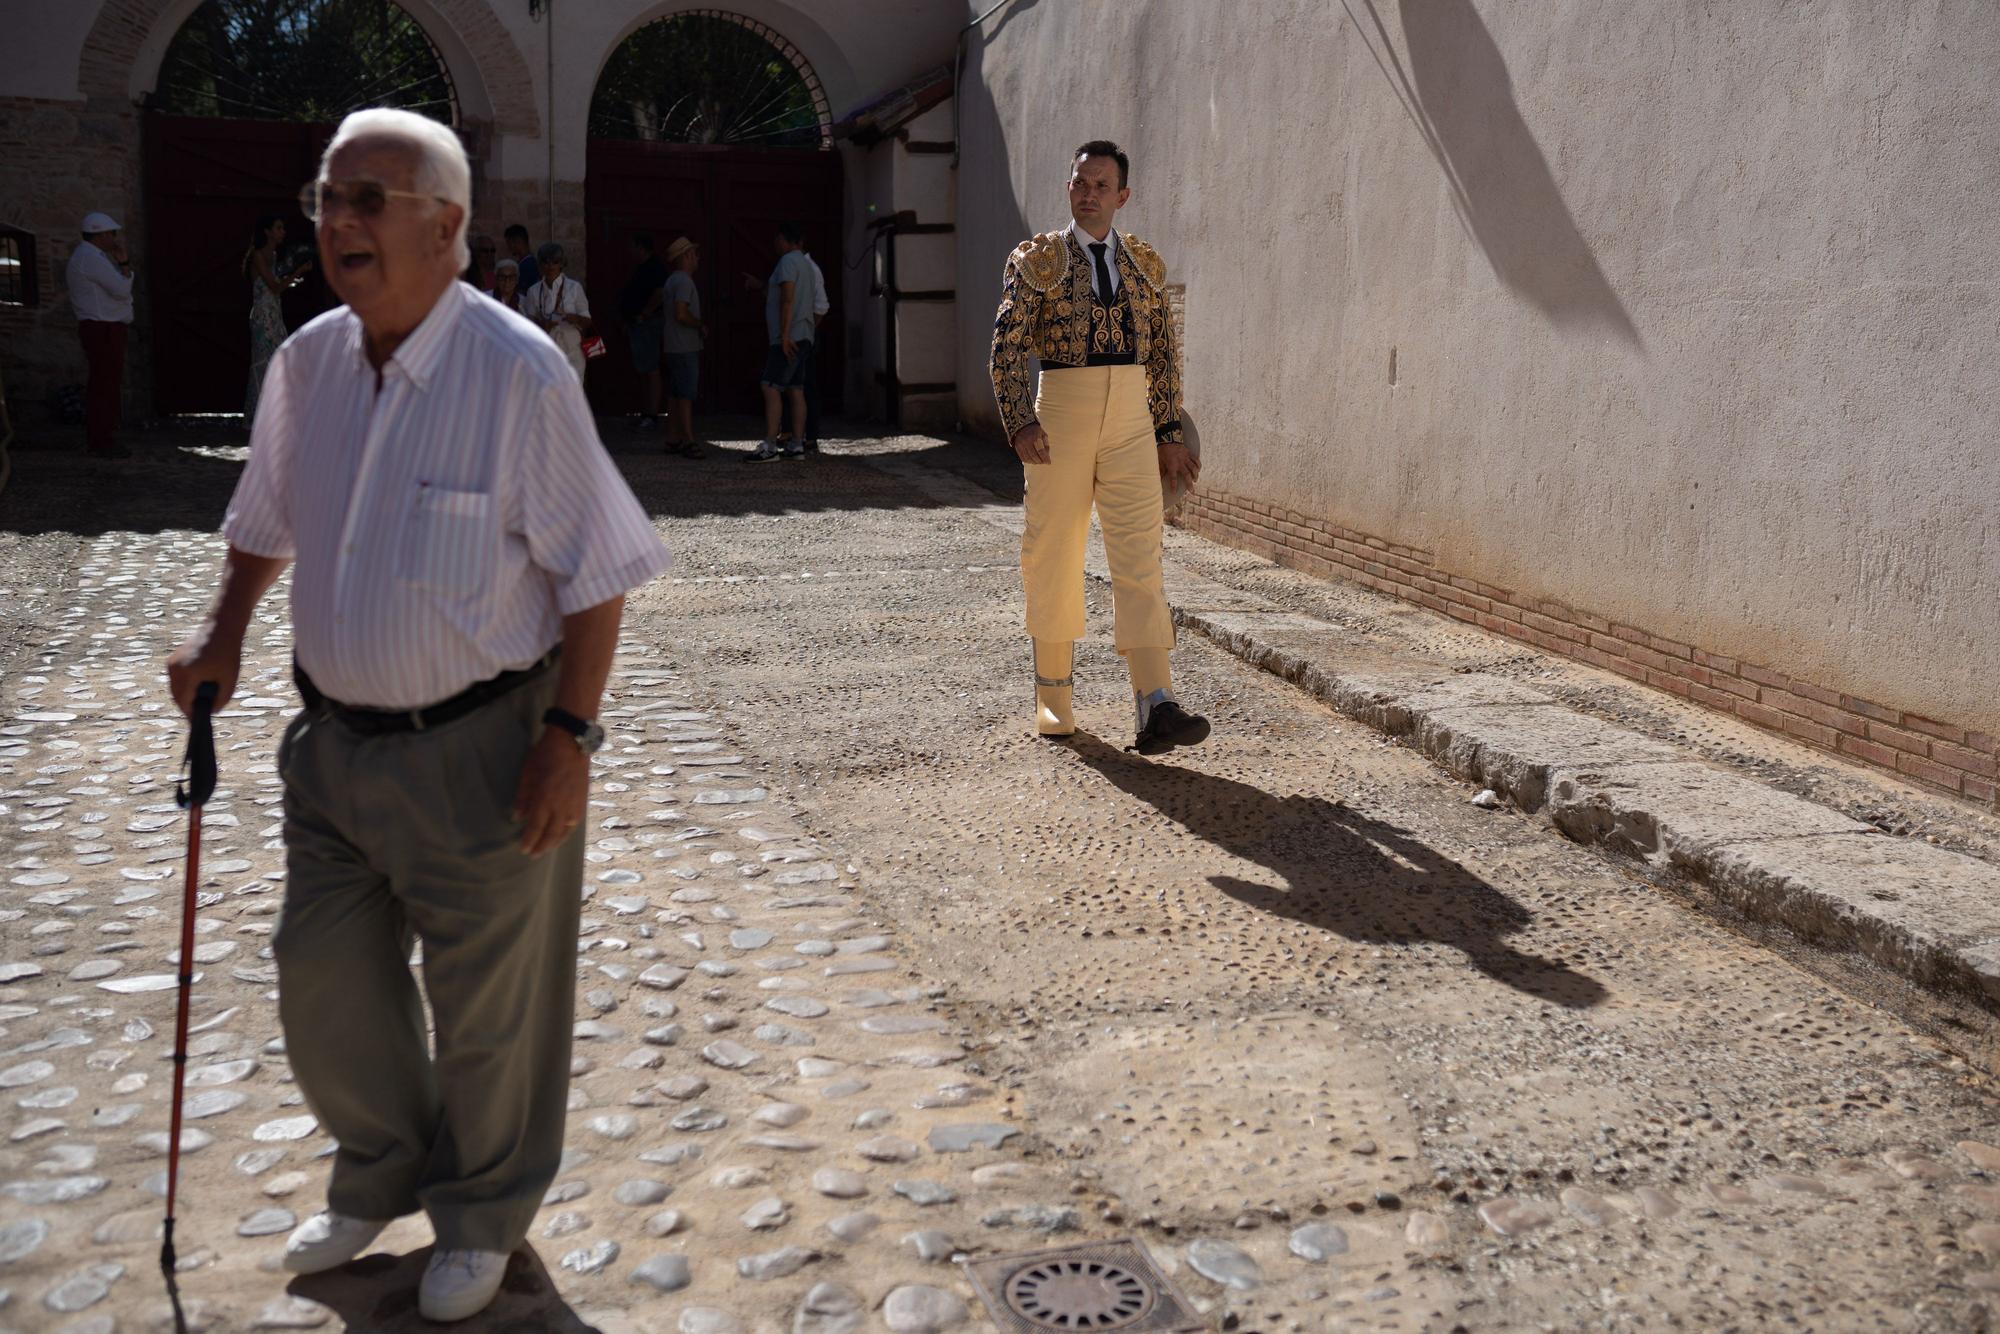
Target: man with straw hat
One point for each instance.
(681, 345)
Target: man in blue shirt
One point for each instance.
(790, 294)
(524, 256)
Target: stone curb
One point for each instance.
(1926, 914)
(1930, 915)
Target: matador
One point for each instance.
(1101, 429)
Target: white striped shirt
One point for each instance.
(443, 526)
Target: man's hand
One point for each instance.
(206, 656)
(553, 793)
(1179, 468)
(1031, 442)
(791, 348)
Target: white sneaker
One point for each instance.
(766, 452)
(458, 1284)
(328, 1240)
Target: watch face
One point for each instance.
(592, 739)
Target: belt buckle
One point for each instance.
(416, 717)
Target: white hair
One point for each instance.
(441, 166)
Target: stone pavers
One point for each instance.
(771, 1112)
(1341, 1049)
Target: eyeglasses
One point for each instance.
(367, 198)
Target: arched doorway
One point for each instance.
(247, 98)
(709, 125)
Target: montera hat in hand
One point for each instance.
(93, 223)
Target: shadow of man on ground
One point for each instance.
(1361, 879)
(378, 1293)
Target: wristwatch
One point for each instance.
(588, 735)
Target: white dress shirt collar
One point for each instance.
(416, 356)
(1086, 240)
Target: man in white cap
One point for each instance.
(100, 289)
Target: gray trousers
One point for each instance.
(407, 836)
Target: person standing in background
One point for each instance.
(523, 256)
(558, 305)
(681, 344)
(810, 429)
(640, 307)
(480, 272)
(507, 284)
(788, 325)
(100, 291)
(271, 276)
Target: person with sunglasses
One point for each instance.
(558, 305)
(461, 546)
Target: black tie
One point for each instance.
(1097, 249)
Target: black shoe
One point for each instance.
(1169, 726)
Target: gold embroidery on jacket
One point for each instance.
(1048, 313)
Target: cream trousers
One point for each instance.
(1101, 452)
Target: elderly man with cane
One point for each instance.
(461, 546)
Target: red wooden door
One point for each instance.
(207, 183)
(730, 202)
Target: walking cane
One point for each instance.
(197, 784)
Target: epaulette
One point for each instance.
(1151, 267)
(1042, 260)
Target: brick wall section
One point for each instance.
(59, 161)
(1934, 754)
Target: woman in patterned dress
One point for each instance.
(269, 278)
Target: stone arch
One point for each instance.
(792, 22)
(777, 40)
(125, 47)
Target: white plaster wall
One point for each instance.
(923, 181)
(1692, 305)
(926, 336)
(927, 261)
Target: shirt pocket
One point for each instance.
(452, 543)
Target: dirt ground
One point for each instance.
(1292, 978)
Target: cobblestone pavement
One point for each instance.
(871, 979)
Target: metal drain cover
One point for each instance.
(1094, 1286)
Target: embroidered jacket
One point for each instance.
(1048, 313)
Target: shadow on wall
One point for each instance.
(1458, 92)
